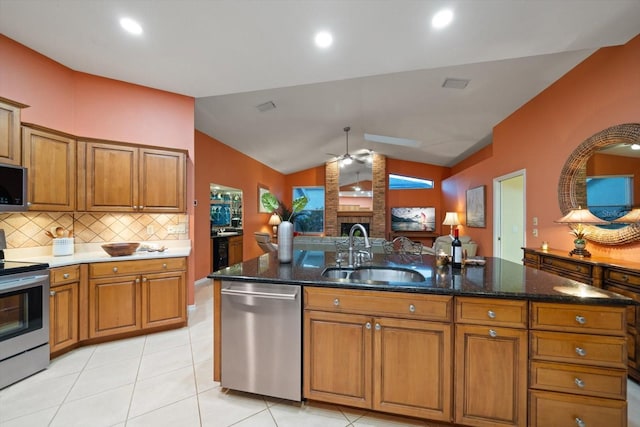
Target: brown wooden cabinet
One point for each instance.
(578, 365)
(129, 178)
(10, 148)
(622, 277)
(51, 160)
(128, 296)
(491, 362)
(374, 350)
(235, 249)
(63, 308)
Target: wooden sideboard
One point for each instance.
(622, 277)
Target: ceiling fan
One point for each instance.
(347, 158)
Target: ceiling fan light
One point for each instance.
(347, 160)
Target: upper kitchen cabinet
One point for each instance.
(50, 158)
(10, 132)
(128, 178)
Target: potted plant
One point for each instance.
(285, 229)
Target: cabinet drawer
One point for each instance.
(393, 304)
(583, 380)
(633, 312)
(578, 318)
(622, 276)
(60, 275)
(579, 348)
(571, 268)
(116, 268)
(485, 311)
(557, 409)
(531, 258)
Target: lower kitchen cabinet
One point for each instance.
(356, 354)
(235, 249)
(63, 308)
(129, 296)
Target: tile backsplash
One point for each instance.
(27, 229)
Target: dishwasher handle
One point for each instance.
(259, 294)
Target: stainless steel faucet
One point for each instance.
(367, 245)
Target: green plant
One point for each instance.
(579, 232)
(272, 204)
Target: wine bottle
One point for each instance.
(456, 251)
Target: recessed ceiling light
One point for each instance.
(442, 18)
(131, 26)
(323, 39)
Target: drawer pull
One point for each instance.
(577, 268)
(65, 276)
(580, 423)
(367, 325)
(378, 327)
(115, 269)
(52, 293)
(491, 314)
(164, 265)
(492, 333)
(624, 278)
(581, 351)
(336, 302)
(412, 308)
(581, 319)
(579, 382)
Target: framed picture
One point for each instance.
(475, 207)
(413, 219)
(262, 189)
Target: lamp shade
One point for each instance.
(580, 216)
(275, 219)
(451, 218)
(630, 218)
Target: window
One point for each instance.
(311, 219)
(400, 182)
(610, 197)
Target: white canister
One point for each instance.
(63, 246)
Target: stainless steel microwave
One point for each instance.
(13, 188)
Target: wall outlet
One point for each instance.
(178, 229)
(535, 232)
(150, 230)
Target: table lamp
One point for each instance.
(631, 217)
(275, 222)
(576, 218)
(451, 218)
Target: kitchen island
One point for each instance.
(492, 344)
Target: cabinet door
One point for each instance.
(114, 306)
(51, 160)
(111, 177)
(491, 376)
(337, 358)
(9, 134)
(163, 299)
(412, 368)
(235, 250)
(162, 181)
(63, 316)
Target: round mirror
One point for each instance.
(572, 187)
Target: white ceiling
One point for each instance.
(383, 75)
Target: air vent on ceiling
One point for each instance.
(455, 83)
(266, 106)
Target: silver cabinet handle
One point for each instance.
(336, 302)
(144, 279)
(581, 319)
(115, 269)
(378, 327)
(493, 333)
(367, 325)
(412, 308)
(164, 265)
(65, 276)
(580, 423)
(579, 382)
(491, 314)
(581, 351)
(52, 293)
(135, 207)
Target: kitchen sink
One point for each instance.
(375, 274)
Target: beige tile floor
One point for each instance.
(164, 379)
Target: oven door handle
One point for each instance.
(24, 283)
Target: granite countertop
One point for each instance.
(92, 252)
(498, 278)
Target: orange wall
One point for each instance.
(90, 106)
(602, 91)
(220, 164)
(417, 198)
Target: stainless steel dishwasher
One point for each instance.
(262, 338)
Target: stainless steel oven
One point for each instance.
(24, 320)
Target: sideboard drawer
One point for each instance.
(621, 276)
(583, 380)
(579, 348)
(578, 318)
(493, 312)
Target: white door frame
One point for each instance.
(497, 212)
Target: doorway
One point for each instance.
(509, 216)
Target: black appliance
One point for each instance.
(220, 252)
(13, 188)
